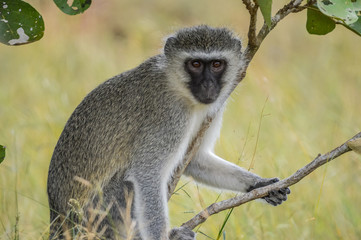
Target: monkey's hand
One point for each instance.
(181, 233)
(275, 197)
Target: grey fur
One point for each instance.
(202, 38)
(129, 134)
(181, 233)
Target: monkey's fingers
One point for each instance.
(276, 197)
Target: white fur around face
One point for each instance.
(197, 117)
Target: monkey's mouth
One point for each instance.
(206, 100)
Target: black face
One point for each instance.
(206, 76)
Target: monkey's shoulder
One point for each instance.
(149, 72)
(144, 81)
(138, 91)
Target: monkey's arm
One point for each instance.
(212, 170)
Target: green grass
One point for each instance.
(313, 87)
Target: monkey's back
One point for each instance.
(120, 119)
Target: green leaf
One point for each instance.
(318, 23)
(266, 10)
(224, 224)
(2, 153)
(355, 27)
(20, 23)
(339, 9)
(356, 5)
(78, 6)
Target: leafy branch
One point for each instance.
(20, 23)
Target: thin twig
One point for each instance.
(252, 9)
(248, 3)
(252, 36)
(292, 6)
(261, 192)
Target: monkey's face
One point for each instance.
(203, 63)
(205, 78)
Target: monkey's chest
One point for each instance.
(186, 141)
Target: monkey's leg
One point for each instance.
(110, 214)
(150, 206)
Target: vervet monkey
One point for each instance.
(129, 134)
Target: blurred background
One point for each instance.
(309, 86)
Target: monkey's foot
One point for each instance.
(275, 197)
(181, 233)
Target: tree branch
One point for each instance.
(248, 3)
(292, 6)
(261, 192)
(252, 9)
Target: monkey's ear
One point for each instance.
(170, 46)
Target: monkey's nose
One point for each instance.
(209, 93)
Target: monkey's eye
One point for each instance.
(217, 65)
(196, 64)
